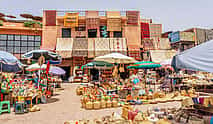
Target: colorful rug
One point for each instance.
(134, 51)
(71, 19)
(91, 47)
(92, 23)
(50, 17)
(79, 34)
(132, 17)
(155, 30)
(118, 45)
(64, 47)
(145, 30)
(102, 46)
(80, 47)
(148, 44)
(113, 24)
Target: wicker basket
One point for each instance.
(115, 103)
(89, 105)
(97, 105)
(103, 104)
(109, 104)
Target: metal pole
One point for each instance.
(1, 82)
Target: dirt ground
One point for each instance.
(65, 106)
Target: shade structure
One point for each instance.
(115, 58)
(56, 70)
(199, 58)
(97, 64)
(48, 55)
(9, 63)
(144, 65)
(166, 62)
(36, 67)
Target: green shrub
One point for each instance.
(31, 23)
(1, 23)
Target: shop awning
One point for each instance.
(199, 58)
(64, 47)
(161, 55)
(80, 47)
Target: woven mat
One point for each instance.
(101, 46)
(80, 47)
(132, 17)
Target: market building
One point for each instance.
(182, 40)
(79, 36)
(18, 38)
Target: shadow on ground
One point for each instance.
(52, 100)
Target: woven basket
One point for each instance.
(109, 104)
(97, 105)
(89, 105)
(103, 104)
(115, 103)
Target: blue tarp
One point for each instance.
(199, 58)
(9, 63)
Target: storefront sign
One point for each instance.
(174, 37)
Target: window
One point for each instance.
(3, 48)
(37, 48)
(17, 50)
(10, 37)
(19, 44)
(10, 49)
(17, 37)
(3, 43)
(10, 43)
(37, 44)
(30, 38)
(3, 37)
(30, 44)
(30, 48)
(37, 38)
(22, 50)
(117, 34)
(92, 33)
(66, 32)
(80, 28)
(23, 43)
(24, 37)
(103, 32)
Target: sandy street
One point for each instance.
(65, 106)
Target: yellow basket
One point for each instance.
(20, 98)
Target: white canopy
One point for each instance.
(115, 58)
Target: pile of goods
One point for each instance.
(111, 95)
(95, 98)
(55, 80)
(134, 116)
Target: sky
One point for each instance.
(173, 14)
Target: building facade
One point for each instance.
(79, 36)
(183, 40)
(18, 39)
